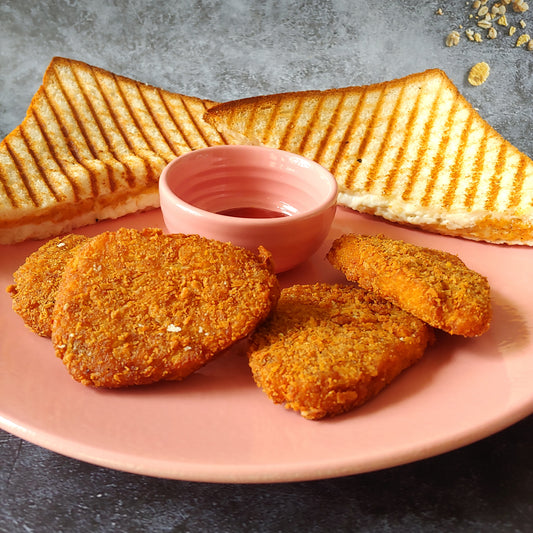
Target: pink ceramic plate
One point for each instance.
(218, 426)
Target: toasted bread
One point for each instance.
(411, 150)
(92, 146)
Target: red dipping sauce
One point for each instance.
(252, 212)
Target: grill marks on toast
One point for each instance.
(188, 113)
(495, 179)
(19, 192)
(82, 130)
(424, 159)
(476, 173)
(347, 136)
(52, 141)
(413, 143)
(148, 143)
(25, 148)
(38, 188)
(312, 142)
(337, 104)
(384, 146)
(287, 137)
(108, 141)
(278, 114)
(518, 183)
(7, 196)
(69, 134)
(368, 138)
(443, 152)
(34, 141)
(91, 135)
(111, 132)
(399, 160)
(172, 124)
(455, 172)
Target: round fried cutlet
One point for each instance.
(329, 348)
(433, 285)
(135, 307)
(36, 281)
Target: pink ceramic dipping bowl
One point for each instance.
(251, 196)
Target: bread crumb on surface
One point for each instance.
(453, 38)
(485, 14)
(520, 6)
(478, 74)
(522, 39)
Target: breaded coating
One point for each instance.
(433, 285)
(329, 348)
(135, 307)
(36, 281)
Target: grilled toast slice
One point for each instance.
(91, 147)
(411, 150)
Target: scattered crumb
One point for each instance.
(478, 74)
(520, 6)
(502, 21)
(485, 15)
(453, 38)
(523, 39)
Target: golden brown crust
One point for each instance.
(37, 280)
(135, 307)
(255, 103)
(329, 348)
(433, 285)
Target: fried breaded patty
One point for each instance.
(434, 285)
(135, 307)
(329, 348)
(36, 281)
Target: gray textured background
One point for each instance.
(232, 49)
(225, 50)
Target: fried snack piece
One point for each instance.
(36, 281)
(135, 307)
(433, 285)
(329, 348)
